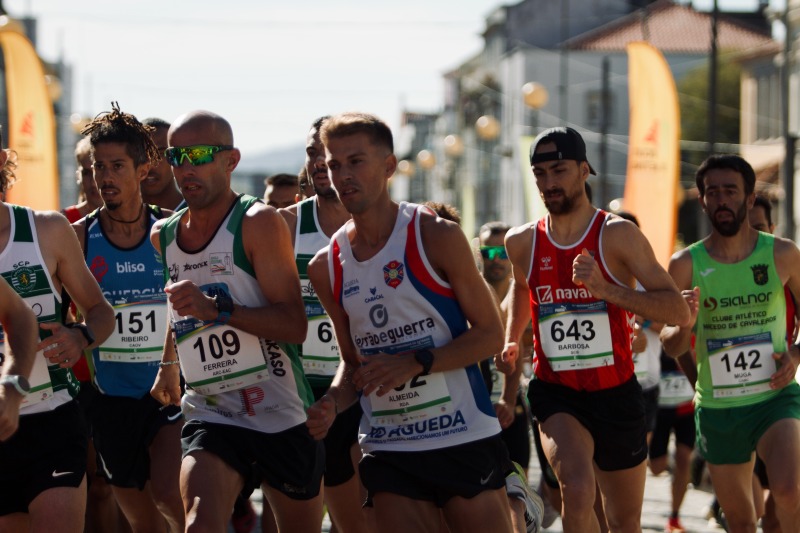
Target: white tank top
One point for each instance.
(23, 267)
(233, 377)
(319, 352)
(397, 303)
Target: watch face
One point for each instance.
(19, 383)
(23, 383)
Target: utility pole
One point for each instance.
(788, 137)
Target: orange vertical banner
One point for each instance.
(31, 124)
(652, 180)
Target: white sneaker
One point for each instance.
(550, 514)
(517, 487)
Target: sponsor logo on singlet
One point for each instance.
(99, 268)
(393, 335)
(760, 274)
(221, 263)
(393, 273)
(194, 266)
(23, 278)
(126, 267)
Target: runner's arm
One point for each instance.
(519, 242)
(626, 248)
(342, 392)
(57, 237)
(21, 335)
(677, 339)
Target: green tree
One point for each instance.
(694, 101)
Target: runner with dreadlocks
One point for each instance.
(137, 441)
(43, 466)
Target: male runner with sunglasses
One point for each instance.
(137, 440)
(508, 401)
(574, 273)
(43, 466)
(234, 297)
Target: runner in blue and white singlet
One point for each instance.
(397, 303)
(132, 280)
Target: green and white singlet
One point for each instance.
(233, 377)
(23, 267)
(740, 323)
(319, 352)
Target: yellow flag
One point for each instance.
(31, 124)
(653, 176)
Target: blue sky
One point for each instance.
(270, 67)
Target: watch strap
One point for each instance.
(18, 382)
(425, 358)
(84, 329)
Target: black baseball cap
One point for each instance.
(569, 145)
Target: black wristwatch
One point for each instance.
(425, 358)
(224, 304)
(83, 329)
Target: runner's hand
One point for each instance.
(506, 360)
(380, 373)
(9, 411)
(586, 273)
(187, 299)
(167, 387)
(692, 298)
(321, 415)
(64, 347)
(505, 413)
(787, 367)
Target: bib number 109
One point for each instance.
(217, 345)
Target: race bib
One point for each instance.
(320, 351)
(218, 358)
(43, 306)
(138, 334)
(674, 389)
(741, 366)
(641, 365)
(575, 336)
(39, 380)
(419, 398)
(498, 381)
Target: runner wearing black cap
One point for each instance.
(578, 267)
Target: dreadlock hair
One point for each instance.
(7, 176)
(118, 127)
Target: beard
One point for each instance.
(559, 206)
(328, 193)
(729, 228)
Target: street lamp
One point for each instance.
(453, 146)
(405, 168)
(487, 127)
(535, 96)
(426, 159)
